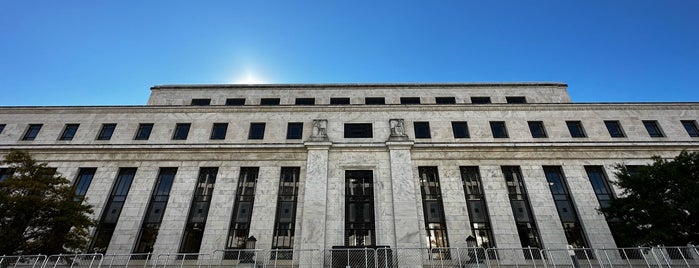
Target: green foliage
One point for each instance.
(37, 210)
(659, 203)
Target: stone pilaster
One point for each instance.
(315, 197)
(407, 221)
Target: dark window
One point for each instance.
(445, 100)
(2, 127)
(106, 132)
(691, 127)
(433, 210)
(235, 102)
(218, 131)
(422, 130)
(201, 102)
(566, 209)
(69, 132)
(480, 100)
(257, 131)
(600, 185)
(576, 129)
(374, 100)
(155, 210)
(32, 132)
(82, 182)
(614, 128)
(339, 101)
(143, 132)
(294, 131)
(199, 210)
(409, 100)
(499, 129)
(360, 130)
(521, 208)
(269, 101)
(112, 211)
(242, 209)
(181, 131)
(537, 129)
(5, 173)
(460, 129)
(285, 220)
(516, 99)
(305, 101)
(359, 208)
(477, 208)
(653, 128)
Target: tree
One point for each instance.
(659, 203)
(37, 211)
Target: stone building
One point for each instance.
(313, 166)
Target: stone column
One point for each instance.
(315, 196)
(407, 221)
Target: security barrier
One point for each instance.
(74, 261)
(32, 261)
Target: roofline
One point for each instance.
(361, 85)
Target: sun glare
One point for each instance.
(249, 78)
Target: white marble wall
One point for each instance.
(405, 214)
(313, 208)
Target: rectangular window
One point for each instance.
(5, 173)
(199, 210)
(460, 130)
(358, 130)
(422, 130)
(653, 128)
(2, 127)
(285, 220)
(32, 132)
(499, 129)
(269, 101)
(374, 100)
(155, 210)
(360, 227)
(235, 102)
(69, 132)
(433, 209)
(521, 208)
(576, 129)
(257, 131)
(143, 132)
(480, 100)
(294, 131)
(477, 208)
(339, 101)
(201, 102)
(112, 211)
(82, 183)
(614, 128)
(305, 101)
(218, 131)
(566, 208)
(409, 100)
(537, 129)
(691, 127)
(445, 100)
(181, 131)
(106, 132)
(242, 209)
(517, 100)
(600, 185)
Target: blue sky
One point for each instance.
(111, 52)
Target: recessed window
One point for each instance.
(269, 101)
(69, 132)
(32, 132)
(480, 100)
(82, 183)
(422, 130)
(360, 224)
(576, 129)
(614, 128)
(181, 131)
(460, 129)
(201, 102)
(653, 128)
(445, 100)
(294, 131)
(358, 130)
(106, 132)
(374, 100)
(257, 131)
(516, 99)
(235, 102)
(2, 127)
(305, 101)
(409, 100)
(499, 129)
(691, 127)
(537, 129)
(339, 101)
(218, 131)
(143, 131)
